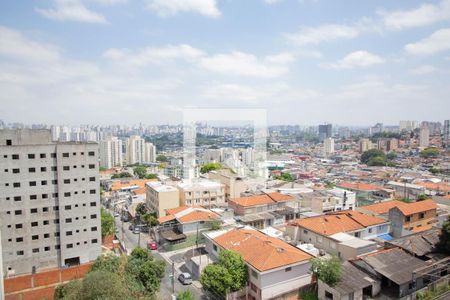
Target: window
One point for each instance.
(17, 212)
(34, 224)
(357, 234)
(91, 178)
(421, 215)
(69, 246)
(46, 235)
(94, 241)
(56, 221)
(68, 232)
(17, 198)
(66, 168)
(6, 170)
(93, 216)
(93, 204)
(35, 237)
(66, 154)
(19, 239)
(53, 155)
(68, 207)
(69, 220)
(31, 156)
(54, 181)
(92, 192)
(15, 156)
(66, 181)
(43, 169)
(54, 168)
(8, 142)
(44, 196)
(94, 228)
(20, 252)
(254, 274)
(328, 295)
(47, 248)
(46, 222)
(215, 248)
(16, 171)
(408, 218)
(35, 250)
(57, 234)
(67, 194)
(31, 170)
(55, 195)
(91, 166)
(16, 184)
(370, 230)
(32, 183)
(44, 182)
(288, 269)
(91, 153)
(55, 208)
(33, 210)
(42, 155)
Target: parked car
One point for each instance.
(136, 230)
(185, 278)
(152, 245)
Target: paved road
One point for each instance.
(131, 241)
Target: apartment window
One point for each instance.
(93, 216)
(66, 181)
(67, 194)
(91, 153)
(288, 269)
(35, 237)
(42, 155)
(46, 222)
(31, 156)
(56, 221)
(94, 228)
(6, 184)
(15, 156)
(68, 207)
(19, 239)
(74, 153)
(93, 204)
(32, 183)
(66, 154)
(357, 234)
(16, 171)
(69, 246)
(16, 184)
(69, 220)
(18, 226)
(20, 252)
(92, 192)
(421, 215)
(94, 241)
(44, 196)
(370, 230)
(254, 274)
(43, 169)
(6, 170)
(408, 218)
(57, 247)
(91, 166)
(33, 197)
(46, 235)
(68, 232)
(54, 168)
(34, 224)
(35, 250)
(91, 178)
(8, 142)
(57, 234)
(44, 182)
(47, 248)
(17, 212)
(81, 153)
(31, 170)
(66, 168)
(33, 210)
(55, 195)
(305, 231)
(17, 198)
(55, 208)
(54, 181)
(7, 198)
(53, 155)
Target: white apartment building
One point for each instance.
(424, 137)
(201, 192)
(160, 197)
(49, 201)
(149, 153)
(364, 145)
(110, 153)
(138, 151)
(408, 125)
(328, 146)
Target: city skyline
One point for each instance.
(306, 62)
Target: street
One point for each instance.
(132, 240)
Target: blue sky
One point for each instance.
(305, 61)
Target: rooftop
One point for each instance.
(418, 244)
(262, 199)
(188, 214)
(129, 184)
(360, 186)
(382, 207)
(160, 187)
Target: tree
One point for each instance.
(286, 177)
(151, 176)
(429, 153)
(444, 238)
(102, 169)
(236, 267)
(422, 197)
(140, 171)
(210, 167)
(327, 269)
(150, 219)
(373, 157)
(161, 158)
(107, 222)
(121, 175)
(216, 279)
(103, 285)
(107, 263)
(216, 225)
(141, 209)
(185, 295)
(391, 155)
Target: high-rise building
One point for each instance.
(328, 146)
(110, 153)
(424, 138)
(135, 149)
(49, 201)
(325, 131)
(364, 145)
(447, 133)
(150, 153)
(408, 125)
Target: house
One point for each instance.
(324, 201)
(394, 268)
(438, 188)
(264, 210)
(380, 209)
(353, 284)
(422, 244)
(201, 192)
(367, 193)
(234, 184)
(160, 197)
(275, 267)
(412, 217)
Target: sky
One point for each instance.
(306, 62)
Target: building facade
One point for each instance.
(110, 153)
(160, 197)
(49, 201)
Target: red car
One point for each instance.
(152, 245)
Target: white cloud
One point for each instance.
(323, 33)
(244, 64)
(425, 14)
(439, 41)
(14, 44)
(282, 58)
(356, 59)
(71, 10)
(172, 7)
(422, 70)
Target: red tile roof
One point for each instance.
(262, 199)
(417, 207)
(360, 186)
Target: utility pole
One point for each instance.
(173, 278)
